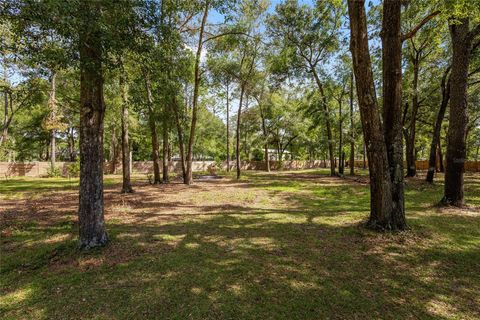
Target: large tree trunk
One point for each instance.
(412, 128)
(196, 87)
(153, 132)
(352, 131)
(381, 205)
(92, 109)
(458, 119)
(237, 151)
(432, 160)
(392, 108)
(126, 185)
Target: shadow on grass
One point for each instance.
(309, 260)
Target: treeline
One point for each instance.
(233, 80)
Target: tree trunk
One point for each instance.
(228, 129)
(71, 145)
(153, 131)
(432, 160)
(126, 185)
(237, 151)
(364, 154)
(165, 178)
(352, 131)
(197, 80)
(265, 136)
(92, 231)
(458, 118)
(412, 128)
(328, 126)
(440, 158)
(381, 205)
(340, 139)
(52, 104)
(181, 145)
(392, 108)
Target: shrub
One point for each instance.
(74, 169)
(54, 172)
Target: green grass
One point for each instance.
(285, 245)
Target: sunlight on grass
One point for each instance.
(269, 246)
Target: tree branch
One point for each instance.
(412, 32)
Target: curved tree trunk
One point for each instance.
(92, 231)
(432, 159)
(328, 126)
(191, 138)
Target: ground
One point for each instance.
(286, 245)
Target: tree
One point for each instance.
(381, 205)
(462, 41)
(126, 184)
(92, 108)
(307, 37)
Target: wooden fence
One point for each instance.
(39, 169)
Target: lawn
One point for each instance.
(286, 245)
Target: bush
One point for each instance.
(54, 172)
(74, 169)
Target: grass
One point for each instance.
(282, 245)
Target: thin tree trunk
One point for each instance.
(340, 139)
(228, 128)
(392, 110)
(440, 158)
(92, 231)
(181, 145)
(126, 185)
(381, 205)
(352, 131)
(153, 132)
(71, 145)
(328, 126)
(265, 136)
(6, 119)
(432, 160)
(412, 130)
(237, 151)
(52, 104)
(165, 178)
(458, 119)
(197, 80)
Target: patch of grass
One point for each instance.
(284, 245)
